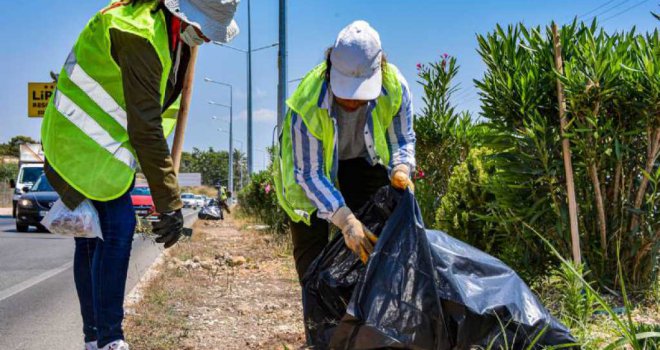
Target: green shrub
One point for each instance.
(258, 200)
(444, 135)
(612, 84)
(467, 201)
(8, 171)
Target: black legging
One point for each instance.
(358, 181)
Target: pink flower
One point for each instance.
(419, 66)
(419, 174)
(267, 189)
(444, 55)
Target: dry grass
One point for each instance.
(223, 289)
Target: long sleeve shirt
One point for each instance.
(308, 151)
(141, 76)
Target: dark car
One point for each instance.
(34, 205)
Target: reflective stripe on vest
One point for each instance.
(84, 130)
(94, 90)
(92, 129)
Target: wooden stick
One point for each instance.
(566, 150)
(182, 118)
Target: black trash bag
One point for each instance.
(421, 289)
(330, 280)
(210, 212)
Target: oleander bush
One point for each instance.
(259, 201)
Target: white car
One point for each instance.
(199, 200)
(188, 200)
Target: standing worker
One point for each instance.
(223, 196)
(108, 113)
(350, 123)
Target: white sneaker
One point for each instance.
(91, 346)
(116, 345)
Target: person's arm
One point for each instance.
(309, 170)
(141, 76)
(401, 134)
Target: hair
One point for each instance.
(328, 63)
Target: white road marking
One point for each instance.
(13, 290)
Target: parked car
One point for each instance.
(189, 200)
(28, 174)
(32, 206)
(199, 200)
(143, 203)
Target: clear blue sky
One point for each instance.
(38, 34)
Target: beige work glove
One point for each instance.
(401, 178)
(356, 236)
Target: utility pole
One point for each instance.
(249, 91)
(282, 65)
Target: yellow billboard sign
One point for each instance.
(38, 96)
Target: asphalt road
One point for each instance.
(38, 304)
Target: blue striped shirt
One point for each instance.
(308, 151)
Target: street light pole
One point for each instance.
(248, 53)
(240, 162)
(282, 65)
(231, 131)
(249, 90)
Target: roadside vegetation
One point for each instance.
(9, 153)
(227, 287)
(213, 165)
(498, 182)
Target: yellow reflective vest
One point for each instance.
(84, 131)
(305, 103)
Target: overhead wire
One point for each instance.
(596, 9)
(624, 11)
(617, 5)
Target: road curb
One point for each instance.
(135, 295)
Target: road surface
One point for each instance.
(38, 304)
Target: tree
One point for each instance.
(443, 135)
(12, 148)
(212, 164)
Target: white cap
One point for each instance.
(214, 18)
(356, 63)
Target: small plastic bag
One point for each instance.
(81, 222)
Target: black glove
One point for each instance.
(168, 228)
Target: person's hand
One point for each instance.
(401, 178)
(356, 236)
(169, 228)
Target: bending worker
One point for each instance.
(109, 113)
(348, 132)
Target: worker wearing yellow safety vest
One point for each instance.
(116, 101)
(348, 132)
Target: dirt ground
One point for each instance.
(224, 289)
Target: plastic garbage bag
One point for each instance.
(81, 222)
(421, 289)
(210, 212)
